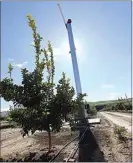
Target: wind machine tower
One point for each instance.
(82, 112)
(86, 138)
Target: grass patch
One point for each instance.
(121, 132)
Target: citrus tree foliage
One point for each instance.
(92, 110)
(42, 108)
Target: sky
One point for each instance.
(102, 35)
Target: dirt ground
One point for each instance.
(121, 119)
(114, 150)
(12, 141)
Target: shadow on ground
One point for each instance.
(89, 150)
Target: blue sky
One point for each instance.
(102, 33)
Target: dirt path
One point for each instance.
(123, 120)
(12, 141)
(128, 115)
(114, 150)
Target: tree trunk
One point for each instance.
(49, 138)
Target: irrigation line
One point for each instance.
(72, 154)
(62, 149)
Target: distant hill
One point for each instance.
(109, 102)
(101, 104)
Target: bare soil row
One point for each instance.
(35, 147)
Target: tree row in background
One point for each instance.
(121, 105)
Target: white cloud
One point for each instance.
(20, 65)
(113, 96)
(10, 59)
(104, 86)
(62, 52)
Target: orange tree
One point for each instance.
(43, 109)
